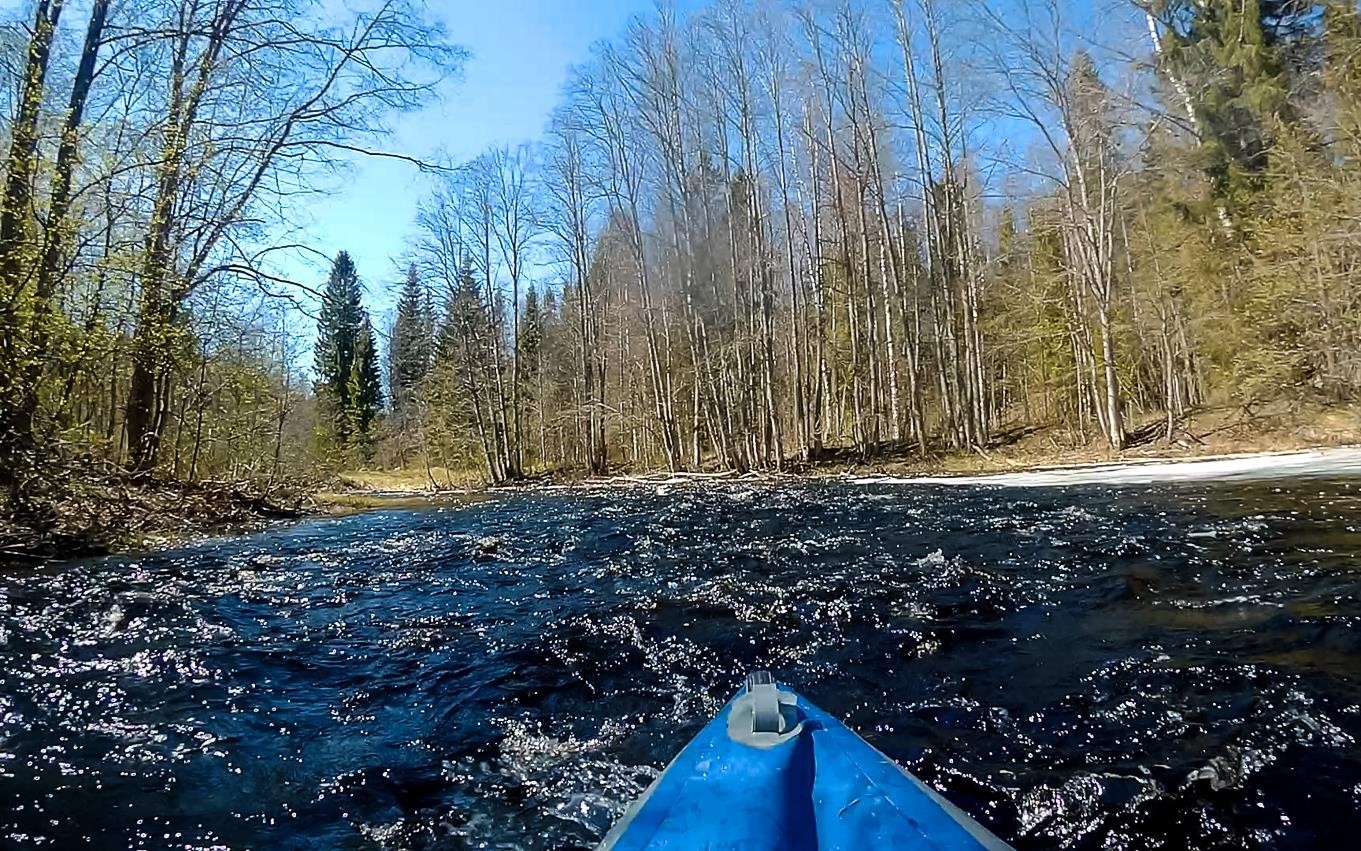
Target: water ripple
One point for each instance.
(1083, 668)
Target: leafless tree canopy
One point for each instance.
(761, 233)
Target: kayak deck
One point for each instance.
(773, 771)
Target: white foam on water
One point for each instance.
(1338, 462)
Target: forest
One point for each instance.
(754, 234)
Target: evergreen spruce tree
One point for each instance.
(364, 390)
(412, 346)
(1237, 57)
(337, 330)
(465, 320)
(531, 335)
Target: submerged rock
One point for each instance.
(487, 547)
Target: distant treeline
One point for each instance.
(779, 228)
(750, 235)
(151, 146)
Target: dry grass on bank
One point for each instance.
(361, 490)
(1222, 430)
(408, 480)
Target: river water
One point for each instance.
(1086, 667)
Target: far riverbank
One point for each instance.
(97, 509)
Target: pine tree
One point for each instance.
(364, 390)
(337, 329)
(412, 346)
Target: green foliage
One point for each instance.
(364, 391)
(411, 350)
(1230, 54)
(454, 429)
(349, 385)
(465, 319)
(338, 327)
(531, 335)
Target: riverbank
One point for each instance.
(94, 508)
(1330, 462)
(1221, 432)
(1225, 442)
(88, 508)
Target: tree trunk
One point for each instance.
(17, 253)
(61, 230)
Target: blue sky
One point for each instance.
(520, 52)
(519, 55)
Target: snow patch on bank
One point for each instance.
(1316, 463)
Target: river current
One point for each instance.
(1083, 667)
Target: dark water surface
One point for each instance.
(1087, 667)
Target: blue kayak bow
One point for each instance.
(772, 771)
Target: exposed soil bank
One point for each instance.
(88, 509)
